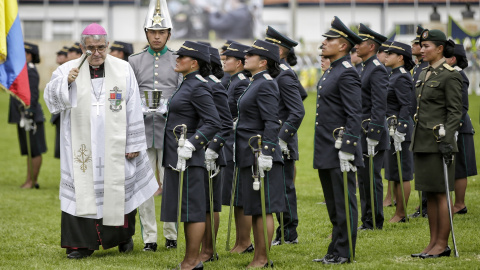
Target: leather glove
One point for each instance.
(345, 165)
(446, 151)
(284, 146)
(371, 146)
(210, 157)
(185, 151)
(398, 138)
(264, 164)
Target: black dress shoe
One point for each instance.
(150, 247)
(80, 253)
(445, 253)
(336, 260)
(268, 264)
(326, 257)
(199, 266)
(249, 249)
(126, 247)
(211, 259)
(170, 243)
(463, 211)
(417, 255)
(416, 214)
(363, 227)
(37, 186)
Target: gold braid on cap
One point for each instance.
(385, 45)
(273, 40)
(367, 35)
(339, 32)
(258, 47)
(187, 48)
(396, 47)
(28, 47)
(117, 45)
(232, 49)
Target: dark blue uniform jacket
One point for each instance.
(399, 99)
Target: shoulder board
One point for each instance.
(425, 68)
(144, 50)
(31, 65)
(200, 78)
(457, 68)
(376, 62)
(447, 66)
(241, 76)
(283, 66)
(346, 64)
(215, 79)
(268, 77)
(402, 70)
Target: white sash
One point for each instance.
(115, 141)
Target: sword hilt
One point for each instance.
(441, 132)
(392, 124)
(338, 138)
(255, 169)
(366, 120)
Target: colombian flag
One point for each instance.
(13, 64)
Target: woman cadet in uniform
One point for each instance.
(189, 105)
(438, 113)
(400, 85)
(258, 115)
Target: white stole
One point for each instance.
(115, 141)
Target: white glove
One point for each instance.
(371, 146)
(398, 138)
(456, 136)
(210, 157)
(181, 164)
(283, 146)
(264, 164)
(345, 165)
(185, 151)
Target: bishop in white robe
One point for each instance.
(105, 172)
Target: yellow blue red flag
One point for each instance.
(13, 64)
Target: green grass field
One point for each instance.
(30, 220)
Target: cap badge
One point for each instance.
(425, 35)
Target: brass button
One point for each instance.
(320, 87)
(156, 58)
(461, 124)
(317, 113)
(399, 124)
(156, 73)
(355, 144)
(316, 123)
(318, 105)
(266, 147)
(419, 95)
(221, 144)
(328, 71)
(196, 137)
(291, 134)
(418, 107)
(324, 79)
(378, 131)
(273, 149)
(318, 96)
(348, 141)
(214, 140)
(286, 130)
(156, 65)
(372, 130)
(201, 142)
(405, 125)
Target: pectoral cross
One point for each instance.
(98, 108)
(100, 166)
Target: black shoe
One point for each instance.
(463, 211)
(268, 264)
(37, 186)
(170, 243)
(363, 228)
(417, 255)
(211, 259)
(326, 257)
(80, 253)
(150, 247)
(249, 249)
(278, 242)
(445, 253)
(126, 247)
(336, 260)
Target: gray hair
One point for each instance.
(94, 37)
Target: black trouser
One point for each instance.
(290, 217)
(364, 187)
(332, 185)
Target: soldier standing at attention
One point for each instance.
(226, 76)
(154, 70)
(290, 113)
(339, 104)
(374, 107)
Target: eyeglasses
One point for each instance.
(99, 49)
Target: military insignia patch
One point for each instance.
(425, 34)
(376, 62)
(268, 77)
(457, 68)
(402, 70)
(283, 66)
(215, 79)
(346, 64)
(447, 66)
(241, 76)
(115, 99)
(200, 78)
